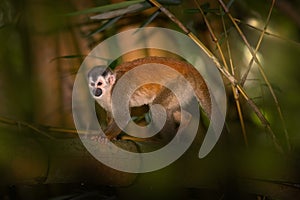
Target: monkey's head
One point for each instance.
(100, 80)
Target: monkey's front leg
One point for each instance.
(112, 130)
(183, 117)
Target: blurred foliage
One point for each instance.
(279, 55)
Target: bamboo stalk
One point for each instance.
(233, 88)
(222, 69)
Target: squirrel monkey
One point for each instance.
(101, 82)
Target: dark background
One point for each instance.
(42, 49)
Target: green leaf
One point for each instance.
(170, 2)
(230, 3)
(205, 7)
(148, 117)
(105, 25)
(122, 11)
(67, 57)
(106, 7)
(77, 56)
(150, 19)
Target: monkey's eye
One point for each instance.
(99, 83)
(93, 84)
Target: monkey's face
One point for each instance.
(100, 81)
(97, 87)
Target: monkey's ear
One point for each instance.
(111, 78)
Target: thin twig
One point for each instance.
(234, 89)
(261, 70)
(244, 77)
(268, 33)
(42, 128)
(25, 124)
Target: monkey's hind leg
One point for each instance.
(182, 117)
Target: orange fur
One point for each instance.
(187, 70)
